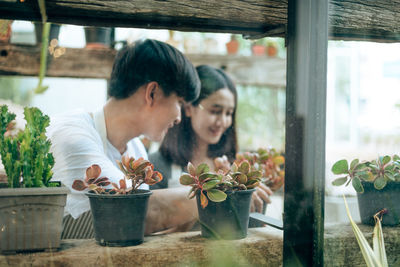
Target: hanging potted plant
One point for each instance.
(32, 206)
(129, 202)
(377, 184)
(223, 198)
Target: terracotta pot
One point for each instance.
(5, 30)
(272, 51)
(258, 50)
(232, 47)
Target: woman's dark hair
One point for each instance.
(150, 60)
(178, 144)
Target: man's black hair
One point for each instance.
(151, 60)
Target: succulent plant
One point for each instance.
(138, 171)
(26, 154)
(214, 186)
(269, 162)
(380, 171)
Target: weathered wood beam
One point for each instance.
(253, 17)
(92, 63)
(350, 20)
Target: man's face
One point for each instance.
(166, 113)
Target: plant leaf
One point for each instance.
(244, 167)
(216, 195)
(378, 242)
(79, 185)
(385, 159)
(202, 168)
(356, 182)
(339, 181)
(210, 184)
(207, 175)
(340, 167)
(389, 176)
(191, 169)
(354, 163)
(369, 256)
(380, 183)
(203, 200)
(93, 171)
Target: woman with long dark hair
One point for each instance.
(207, 130)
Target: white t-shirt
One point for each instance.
(78, 141)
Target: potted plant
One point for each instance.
(272, 48)
(223, 197)
(377, 184)
(258, 47)
(130, 203)
(32, 207)
(232, 47)
(99, 37)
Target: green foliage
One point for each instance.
(26, 154)
(376, 256)
(260, 120)
(214, 186)
(380, 171)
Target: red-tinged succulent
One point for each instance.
(269, 162)
(138, 171)
(214, 186)
(92, 180)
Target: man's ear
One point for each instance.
(151, 89)
(188, 109)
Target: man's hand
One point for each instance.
(260, 196)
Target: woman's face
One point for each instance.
(213, 116)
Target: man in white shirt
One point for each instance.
(149, 82)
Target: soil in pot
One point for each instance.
(119, 220)
(228, 219)
(372, 201)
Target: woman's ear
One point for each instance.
(188, 109)
(151, 89)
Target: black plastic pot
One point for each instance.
(54, 31)
(119, 220)
(228, 219)
(372, 201)
(99, 36)
(254, 223)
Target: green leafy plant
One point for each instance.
(25, 155)
(376, 256)
(380, 171)
(138, 171)
(216, 185)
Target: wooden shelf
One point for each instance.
(97, 63)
